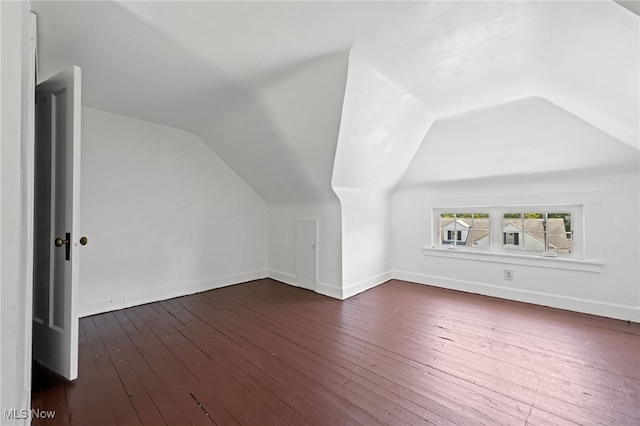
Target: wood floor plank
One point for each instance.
(302, 364)
(219, 366)
(377, 368)
(599, 375)
(258, 381)
(86, 399)
(50, 398)
(632, 393)
(400, 354)
(244, 406)
(173, 375)
(362, 392)
(560, 412)
(330, 396)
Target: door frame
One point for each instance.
(28, 167)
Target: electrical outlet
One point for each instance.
(508, 274)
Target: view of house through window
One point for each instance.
(544, 232)
(463, 229)
(537, 232)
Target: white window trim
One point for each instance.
(497, 253)
(585, 265)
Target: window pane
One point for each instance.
(524, 231)
(464, 229)
(449, 227)
(479, 232)
(537, 232)
(559, 232)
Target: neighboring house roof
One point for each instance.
(556, 233)
(459, 221)
(479, 229)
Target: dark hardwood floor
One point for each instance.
(265, 353)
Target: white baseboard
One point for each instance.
(366, 284)
(594, 307)
(155, 294)
(623, 312)
(284, 277)
(321, 288)
(329, 290)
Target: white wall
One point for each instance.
(611, 238)
(163, 214)
(535, 154)
(15, 288)
(382, 126)
(283, 219)
(366, 243)
(471, 57)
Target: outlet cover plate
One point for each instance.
(508, 274)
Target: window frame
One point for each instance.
(545, 212)
(496, 229)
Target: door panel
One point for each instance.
(42, 212)
(306, 254)
(57, 303)
(56, 222)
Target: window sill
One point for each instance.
(517, 259)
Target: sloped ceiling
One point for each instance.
(529, 136)
(582, 57)
(632, 5)
(263, 83)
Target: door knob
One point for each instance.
(59, 242)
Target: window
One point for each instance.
(537, 231)
(547, 231)
(512, 238)
(457, 235)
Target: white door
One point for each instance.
(306, 254)
(56, 223)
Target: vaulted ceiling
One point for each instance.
(263, 83)
(467, 58)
